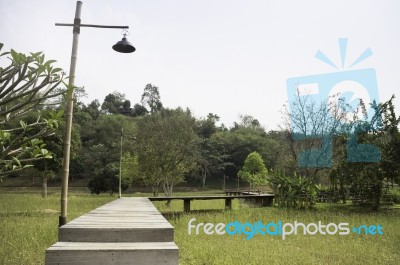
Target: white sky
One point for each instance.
(226, 57)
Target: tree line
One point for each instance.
(163, 147)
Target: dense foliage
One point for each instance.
(254, 171)
(29, 88)
(151, 145)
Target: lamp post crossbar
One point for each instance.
(92, 26)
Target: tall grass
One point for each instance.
(300, 249)
(28, 226)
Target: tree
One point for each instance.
(311, 127)
(206, 127)
(27, 84)
(93, 109)
(381, 131)
(249, 121)
(167, 148)
(130, 168)
(254, 170)
(113, 102)
(101, 149)
(239, 142)
(126, 105)
(212, 159)
(151, 98)
(126, 108)
(48, 168)
(107, 180)
(104, 169)
(139, 110)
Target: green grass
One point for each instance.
(301, 249)
(28, 226)
(28, 223)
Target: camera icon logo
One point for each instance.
(310, 122)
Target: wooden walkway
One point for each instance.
(262, 199)
(125, 231)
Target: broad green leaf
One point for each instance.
(23, 125)
(56, 70)
(41, 59)
(36, 54)
(14, 55)
(16, 161)
(58, 114)
(44, 151)
(50, 62)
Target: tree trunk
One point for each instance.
(171, 188)
(168, 188)
(342, 191)
(155, 189)
(377, 193)
(44, 186)
(44, 180)
(204, 178)
(165, 189)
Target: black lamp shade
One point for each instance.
(124, 46)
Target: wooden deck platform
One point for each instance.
(125, 231)
(262, 199)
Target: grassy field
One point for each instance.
(28, 225)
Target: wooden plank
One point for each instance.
(123, 220)
(216, 197)
(77, 253)
(99, 220)
(125, 225)
(112, 246)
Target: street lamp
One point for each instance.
(123, 46)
